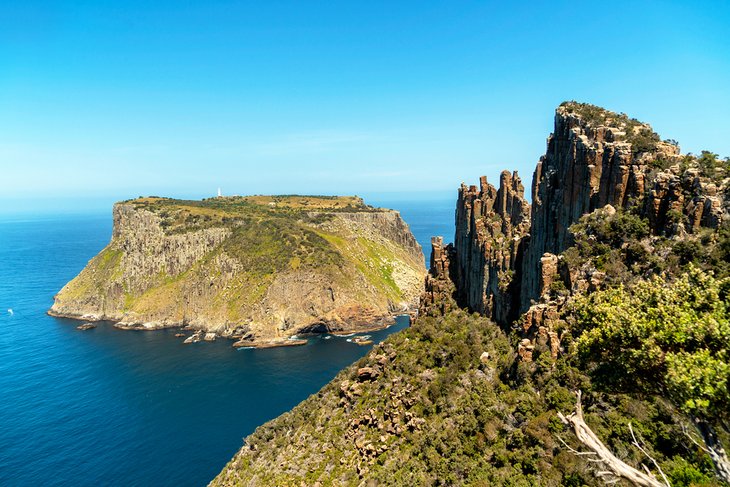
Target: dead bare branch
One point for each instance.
(642, 450)
(688, 434)
(713, 447)
(614, 465)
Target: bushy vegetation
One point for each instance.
(665, 337)
(272, 245)
(621, 246)
(646, 350)
(616, 244)
(712, 166)
(480, 422)
(641, 137)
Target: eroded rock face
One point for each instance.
(438, 296)
(359, 269)
(584, 168)
(676, 193)
(505, 257)
(490, 227)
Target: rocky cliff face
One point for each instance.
(438, 296)
(249, 270)
(611, 203)
(589, 163)
(506, 252)
(490, 227)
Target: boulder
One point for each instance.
(367, 373)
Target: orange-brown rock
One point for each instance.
(437, 297)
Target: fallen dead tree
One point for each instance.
(612, 469)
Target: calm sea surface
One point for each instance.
(112, 407)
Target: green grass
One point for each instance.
(269, 246)
(381, 259)
(104, 267)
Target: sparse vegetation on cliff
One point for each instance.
(182, 216)
(260, 267)
(641, 137)
(615, 283)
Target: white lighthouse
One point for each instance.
(219, 193)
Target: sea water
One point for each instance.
(112, 407)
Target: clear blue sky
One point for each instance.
(104, 100)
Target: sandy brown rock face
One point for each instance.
(674, 193)
(439, 289)
(587, 165)
(243, 269)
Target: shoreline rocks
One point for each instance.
(248, 339)
(283, 342)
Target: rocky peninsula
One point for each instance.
(580, 340)
(256, 269)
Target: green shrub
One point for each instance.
(663, 336)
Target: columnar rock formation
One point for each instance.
(438, 295)
(588, 164)
(505, 253)
(258, 269)
(490, 227)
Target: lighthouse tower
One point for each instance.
(219, 193)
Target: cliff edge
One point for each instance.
(257, 269)
(615, 284)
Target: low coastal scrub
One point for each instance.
(273, 245)
(446, 402)
(670, 338)
(181, 216)
(641, 137)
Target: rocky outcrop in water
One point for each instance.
(253, 269)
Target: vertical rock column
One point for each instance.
(585, 167)
(490, 226)
(437, 298)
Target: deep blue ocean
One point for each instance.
(112, 407)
